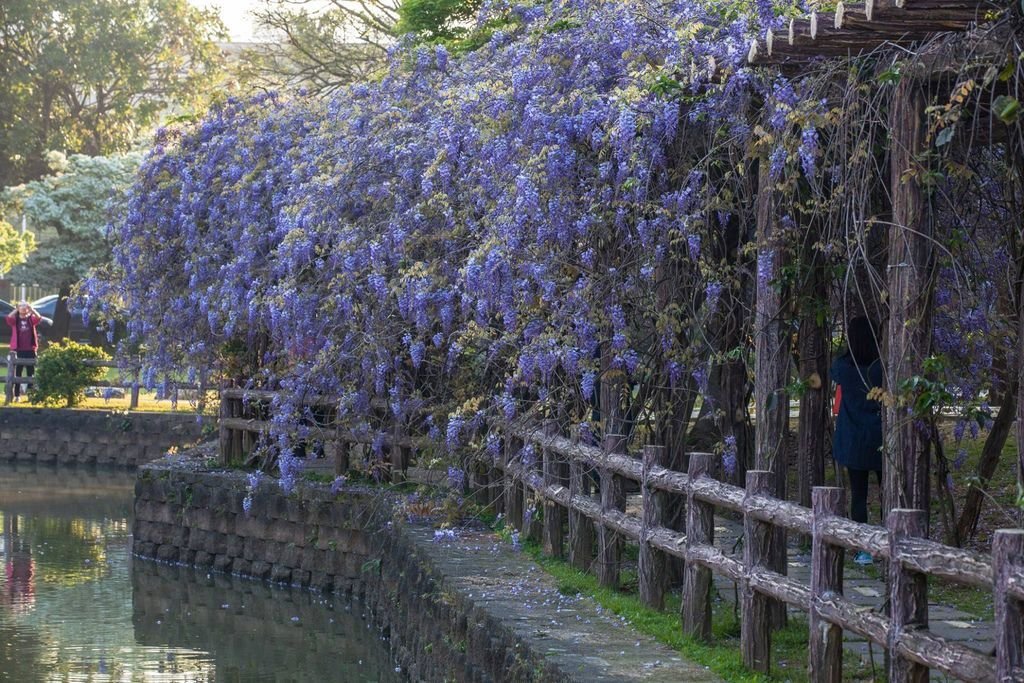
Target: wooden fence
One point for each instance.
(586, 521)
(14, 362)
(133, 386)
(557, 476)
(245, 416)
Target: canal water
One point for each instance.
(76, 606)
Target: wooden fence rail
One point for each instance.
(586, 520)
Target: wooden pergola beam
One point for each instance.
(858, 28)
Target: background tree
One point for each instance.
(14, 246)
(90, 75)
(322, 48)
(437, 19)
(69, 210)
(317, 47)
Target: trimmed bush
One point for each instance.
(62, 375)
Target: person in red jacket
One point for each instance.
(23, 321)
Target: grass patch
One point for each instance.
(973, 601)
(722, 656)
(148, 403)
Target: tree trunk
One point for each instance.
(991, 452)
(61, 314)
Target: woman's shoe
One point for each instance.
(863, 559)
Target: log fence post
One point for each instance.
(532, 503)
(825, 661)
(499, 475)
(613, 497)
(399, 452)
(223, 432)
(755, 621)
(1007, 561)
(133, 402)
(342, 447)
(513, 487)
(652, 563)
(554, 514)
(908, 594)
(237, 409)
(581, 529)
(481, 476)
(9, 385)
(697, 579)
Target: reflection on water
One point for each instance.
(74, 605)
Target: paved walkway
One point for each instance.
(867, 591)
(589, 644)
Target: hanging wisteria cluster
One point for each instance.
(566, 210)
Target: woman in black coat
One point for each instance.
(857, 442)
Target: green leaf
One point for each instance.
(891, 76)
(1007, 108)
(944, 136)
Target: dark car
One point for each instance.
(46, 306)
(77, 330)
(6, 308)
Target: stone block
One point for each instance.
(280, 573)
(300, 578)
(321, 581)
(222, 563)
(260, 570)
(234, 546)
(167, 553)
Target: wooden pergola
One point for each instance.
(854, 30)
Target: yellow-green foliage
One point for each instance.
(62, 375)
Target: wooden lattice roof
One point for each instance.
(856, 28)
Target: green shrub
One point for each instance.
(61, 375)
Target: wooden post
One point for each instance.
(224, 432)
(1007, 560)
(652, 563)
(813, 350)
(581, 529)
(499, 475)
(400, 454)
(1020, 391)
(825, 662)
(771, 361)
(342, 451)
(609, 544)
(532, 502)
(9, 386)
(911, 276)
(133, 402)
(513, 488)
(755, 622)
(482, 484)
(554, 514)
(697, 579)
(908, 594)
(236, 407)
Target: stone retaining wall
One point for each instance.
(66, 436)
(344, 542)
